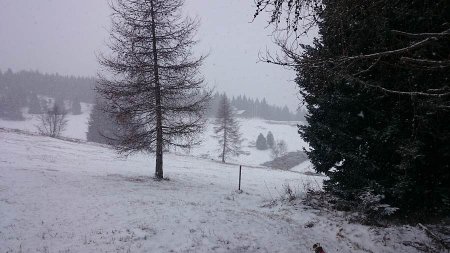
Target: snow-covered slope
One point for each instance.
(250, 129)
(304, 167)
(58, 196)
(76, 128)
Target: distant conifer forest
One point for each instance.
(32, 89)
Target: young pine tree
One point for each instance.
(261, 142)
(270, 140)
(227, 130)
(150, 80)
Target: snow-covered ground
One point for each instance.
(303, 167)
(76, 127)
(250, 129)
(59, 196)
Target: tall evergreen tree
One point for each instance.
(226, 130)
(12, 97)
(286, 113)
(376, 85)
(261, 142)
(9, 110)
(151, 82)
(102, 127)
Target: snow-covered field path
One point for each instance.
(59, 196)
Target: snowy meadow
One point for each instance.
(235, 126)
(65, 196)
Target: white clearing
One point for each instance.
(77, 127)
(59, 196)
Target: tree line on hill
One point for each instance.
(255, 108)
(39, 92)
(50, 85)
(27, 89)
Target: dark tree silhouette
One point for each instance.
(59, 102)
(227, 130)
(270, 140)
(49, 85)
(261, 142)
(150, 81)
(102, 127)
(12, 97)
(250, 108)
(34, 106)
(376, 85)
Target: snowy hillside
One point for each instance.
(58, 196)
(76, 127)
(250, 128)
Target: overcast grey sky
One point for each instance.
(63, 36)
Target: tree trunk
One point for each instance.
(159, 134)
(224, 142)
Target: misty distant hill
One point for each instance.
(50, 85)
(18, 90)
(254, 108)
(33, 89)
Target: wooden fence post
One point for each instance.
(240, 172)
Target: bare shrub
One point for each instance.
(289, 193)
(53, 121)
(279, 149)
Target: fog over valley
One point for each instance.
(64, 37)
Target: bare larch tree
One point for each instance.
(227, 130)
(150, 79)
